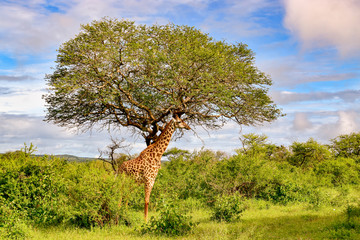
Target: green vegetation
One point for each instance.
(119, 73)
(227, 208)
(170, 221)
(304, 191)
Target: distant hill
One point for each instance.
(72, 158)
(66, 157)
(75, 158)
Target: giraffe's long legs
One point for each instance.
(146, 210)
(148, 188)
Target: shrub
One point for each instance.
(184, 176)
(98, 198)
(339, 171)
(240, 173)
(292, 185)
(345, 230)
(12, 223)
(33, 185)
(51, 191)
(171, 221)
(15, 230)
(227, 208)
(352, 212)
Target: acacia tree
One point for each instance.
(308, 154)
(347, 145)
(116, 72)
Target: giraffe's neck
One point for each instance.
(164, 139)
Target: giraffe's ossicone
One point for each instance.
(145, 167)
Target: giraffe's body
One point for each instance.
(145, 167)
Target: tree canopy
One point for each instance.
(347, 145)
(118, 73)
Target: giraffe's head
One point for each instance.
(179, 123)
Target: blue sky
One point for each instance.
(310, 48)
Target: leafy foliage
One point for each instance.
(115, 72)
(186, 176)
(308, 154)
(258, 145)
(171, 221)
(98, 198)
(33, 185)
(48, 191)
(340, 171)
(253, 144)
(227, 208)
(347, 145)
(352, 212)
(12, 223)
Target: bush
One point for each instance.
(171, 221)
(12, 223)
(339, 171)
(352, 212)
(203, 176)
(15, 230)
(227, 208)
(51, 191)
(240, 173)
(34, 185)
(184, 176)
(98, 198)
(345, 230)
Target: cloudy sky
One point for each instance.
(310, 48)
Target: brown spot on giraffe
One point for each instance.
(145, 167)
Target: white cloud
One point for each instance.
(300, 126)
(15, 78)
(301, 122)
(34, 26)
(32, 127)
(241, 19)
(347, 122)
(23, 102)
(279, 132)
(325, 23)
(292, 71)
(22, 89)
(29, 29)
(50, 139)
(286, 97)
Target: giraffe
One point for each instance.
(145, 167)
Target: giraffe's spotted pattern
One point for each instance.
(145, 167)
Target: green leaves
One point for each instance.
(309, 154)
(347, 145)
(117, 72)
(48, 191)
(227, 208)
(171, 221)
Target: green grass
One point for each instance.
(259, 221)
